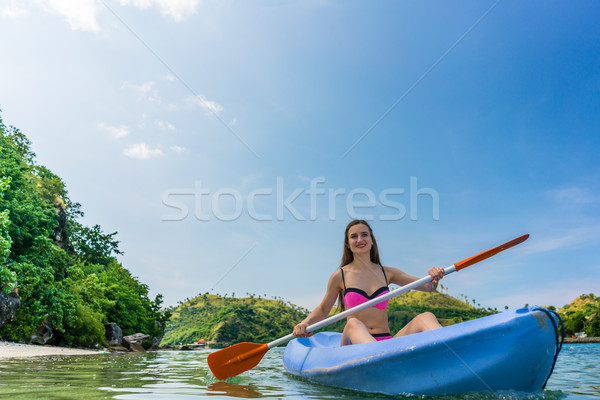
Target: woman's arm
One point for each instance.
(323, 309)
(401, 278)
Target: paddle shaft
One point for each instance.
(360, 307)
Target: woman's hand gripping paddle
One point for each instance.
(241, 357)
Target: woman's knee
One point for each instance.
(428, 320)
(355, 332)
(428, 316)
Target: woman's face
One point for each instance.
(359, 239)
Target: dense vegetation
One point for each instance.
(231, 320)
(582, 315)
(65, 273)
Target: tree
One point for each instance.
(8, 279)
(92, 244)
(574, 322)
(66, 273)
(592, 327)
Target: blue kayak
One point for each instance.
(510, 351)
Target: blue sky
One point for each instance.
(196, 129)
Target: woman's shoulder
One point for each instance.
(391, 270)
(398, 276)
(337, 276)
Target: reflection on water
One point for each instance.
(233, 389)
(185, 374)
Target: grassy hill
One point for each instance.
(582, 315)
(581, 303)
(226, 320)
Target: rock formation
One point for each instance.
(134, 342)
(8, 306)
(113, 334)
(42, 335)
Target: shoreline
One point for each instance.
(19, 350)
(582, 340)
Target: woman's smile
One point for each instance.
(359, 237)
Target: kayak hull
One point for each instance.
(513, 351)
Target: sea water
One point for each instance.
(185, 374)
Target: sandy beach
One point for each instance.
(17, 350)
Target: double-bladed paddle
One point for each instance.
(241, 357)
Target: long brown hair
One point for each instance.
(348, 256)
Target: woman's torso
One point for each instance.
(361, 284)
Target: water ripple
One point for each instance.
(185, 374)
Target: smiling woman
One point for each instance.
(361, 273)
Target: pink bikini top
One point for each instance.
(354, 296)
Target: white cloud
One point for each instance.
(166, 125)
(114, 131)
(570, 238)
(141, 151)
(210, 107)
(573, 195)
(178, 149)
(146, 91)
(13, 9)
(80, 14)
(176, 9)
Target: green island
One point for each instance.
(65, 278)
(582, 318)
(220, 321)
(60, 276)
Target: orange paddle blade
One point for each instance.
(488, 253)
(234, 360)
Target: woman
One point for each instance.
(360, 278)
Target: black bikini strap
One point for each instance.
(384, 275)
(343, 280)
